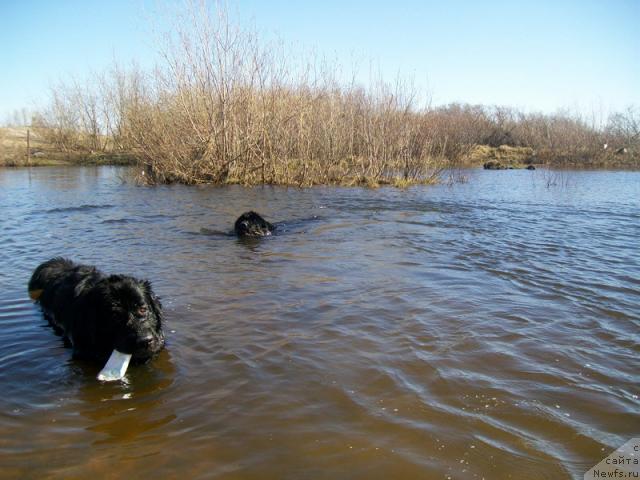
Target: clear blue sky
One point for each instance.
(538, 55)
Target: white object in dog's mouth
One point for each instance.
(116, 367)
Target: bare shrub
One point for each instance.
(224, 106)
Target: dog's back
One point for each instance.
(55, 283)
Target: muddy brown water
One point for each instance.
(485, 330)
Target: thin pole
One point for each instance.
(28, 149)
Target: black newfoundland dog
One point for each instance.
(99, 314)
(252, 225)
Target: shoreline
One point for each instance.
(438, 169)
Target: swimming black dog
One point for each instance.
(96, 313)
(251, 224)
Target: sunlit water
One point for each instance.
(484, 330)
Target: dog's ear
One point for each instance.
(153, 301)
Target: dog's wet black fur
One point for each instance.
(97, 313)
(252, 225)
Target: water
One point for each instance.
(485, 330)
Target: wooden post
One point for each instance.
(28, 149)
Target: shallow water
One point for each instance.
(485, 330)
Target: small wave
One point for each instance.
(81, 208)
(214, 233)
(117, 221)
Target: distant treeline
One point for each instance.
(225, 108)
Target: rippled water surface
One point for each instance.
(485, 330)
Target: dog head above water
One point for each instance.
(128, 315)
(251, 224)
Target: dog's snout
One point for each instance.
(145, 341)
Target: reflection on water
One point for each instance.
(482, 330)
(108, 408)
